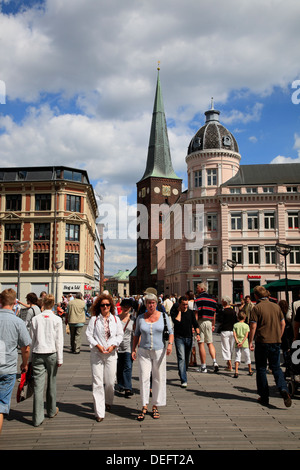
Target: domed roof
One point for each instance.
(213, 135)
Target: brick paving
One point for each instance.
(215, 412)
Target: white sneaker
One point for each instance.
(184, 385)
(202, 369)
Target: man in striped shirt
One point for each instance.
(206, 315)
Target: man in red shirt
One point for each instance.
(206, 316)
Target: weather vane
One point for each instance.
(158, 67)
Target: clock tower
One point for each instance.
(159, 185)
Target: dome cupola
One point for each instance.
(213, 135)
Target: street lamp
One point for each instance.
(232, 264)
(20, 248)
(284, 250)
(57, 265)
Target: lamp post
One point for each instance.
(57, 265)
(232, 264)
(284, 250)
(20, 248)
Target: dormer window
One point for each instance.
(227, 141)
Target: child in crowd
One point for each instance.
(240, 333)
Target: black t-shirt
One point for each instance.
(184, 327)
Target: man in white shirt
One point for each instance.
(47, 355)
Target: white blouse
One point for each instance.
(95, 331)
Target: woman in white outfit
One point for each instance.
(104, 334)
(152, 355)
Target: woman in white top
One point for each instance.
(152, 354)
(104, 334)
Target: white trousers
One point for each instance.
(246, 352)
(227, 344)
(153, 362)
(104, 368)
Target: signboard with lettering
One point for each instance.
(71, 287)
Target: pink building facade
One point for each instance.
(247, 209)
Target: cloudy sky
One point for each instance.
(78, 77)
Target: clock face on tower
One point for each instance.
(166, 190)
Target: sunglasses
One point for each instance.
(104, 305)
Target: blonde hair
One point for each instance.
(48, 301)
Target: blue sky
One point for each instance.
(80, 79)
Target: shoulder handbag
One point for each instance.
(26, 385)
(165, 330)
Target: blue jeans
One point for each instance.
(183, 351)
(7, 383)
(124, 371)
(264, 353)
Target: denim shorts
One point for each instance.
(7, 383)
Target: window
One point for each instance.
(43, 202)
(291, 189)
(198, 257)
(10, 262)
(13, 202)
(236, 221)
(72, 175)
(72, 232)
(42, 231)
(270, 254)
(73, 203)
(251, 190)
(293, 220)
(269, 220)
(212, 177)
(198, 178)
(40, 261)
(235, 190)
(212, 255)
(212, 222)
(12, 232)
(295, 255)
(237, 254)
(252, 220)
(253, 252)
(268, 190)
(72, 261)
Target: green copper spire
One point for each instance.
(159, 162)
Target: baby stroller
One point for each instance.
(292, 371)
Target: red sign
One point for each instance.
(254, 276)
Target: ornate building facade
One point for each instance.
(51, 213)
(248, 209)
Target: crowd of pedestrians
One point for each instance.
(143, 328)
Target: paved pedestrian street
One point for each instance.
(215, 412)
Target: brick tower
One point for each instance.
(159, 185)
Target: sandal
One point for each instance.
(155, 413)
(142, 414)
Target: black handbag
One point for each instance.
(166, 333)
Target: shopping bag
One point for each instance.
(26, 385)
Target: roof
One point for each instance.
(271, 173)
(213, 135)
(44, 173)
(159, 163)
(121, 276)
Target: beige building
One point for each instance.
(248, 209)
(52, 211)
